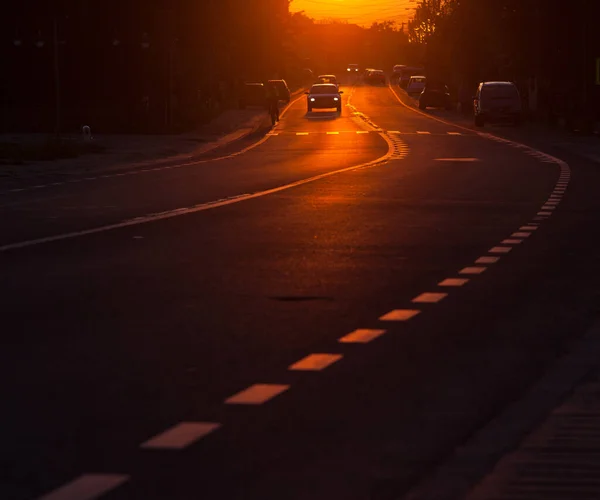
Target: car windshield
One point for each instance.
(323, 89)
(499, 91)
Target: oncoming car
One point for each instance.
(328, 79)
(324, 96)
(353, 68)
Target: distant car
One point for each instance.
(376, 76)
(396, 72)
(497, 102)
(367, 72)
(324, 96)
(416, 84)
(406, 73)
(328, 79)
(252, 94)
(352, 68)
(282, 88)
(435, 95)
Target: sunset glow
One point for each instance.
(362, 12)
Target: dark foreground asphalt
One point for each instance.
(113, 338)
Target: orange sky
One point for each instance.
(363, 12)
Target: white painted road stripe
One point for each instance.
(257, 394)
(315, 362)
(180, 436)
(511, 242)
(198, 208)
(453, 282)
(487, 260)
(429, 298)
(500, 249)
(454, 133)
(87, 487)
(333, 133)
(473, 270)
(423, 132)
(361, 336)
(362, 131)
(400, 315)
(301, 133)
(520, 235)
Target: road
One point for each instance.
(138, 309)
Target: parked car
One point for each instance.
(376, 76)
(282, 88)
(497, 102)
(328, 79)
(416, 84)
(435, 95)
(406, 73)
(324, 96)
(396, 72)
(252, 94)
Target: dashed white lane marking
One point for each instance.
(180, 436)
(301, 133)
(362, 131)
(429, 298)
(500, 249)
(520, 234)
(257, 394)
(473, 270)
(511, 241)
(315, 362)
(361, 336)
(87, 487)
(394, 132)
(454, 133)
(423, 132)
(544, 213)
(400, 315)
(531, 227)
(333, 133)
(453, 282)
(487, 260)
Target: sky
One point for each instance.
(363, 12)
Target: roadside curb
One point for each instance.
(471, 462)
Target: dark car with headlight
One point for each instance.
(435, 95)
(324, 96)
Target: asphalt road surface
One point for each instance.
(274, 323)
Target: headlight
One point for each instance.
(336, 99)
(349, 69)
(312, 99)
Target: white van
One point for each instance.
(497, 102)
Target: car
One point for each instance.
(406, 73)
(352, 68)
(324, 96)
(252, 94)
(396, 71)
(497, 102)
(416, 84)
(435, 95)
(282, 88)
(328, 79)
(376, 76)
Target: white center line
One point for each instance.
(333, 133)
(528, 228)
(500, 249)
(511, 242)
(454, 133)
(180, 436)
(87, 487)
(473, 270)
(257, 394)
(423, 132)
(453, 282)
(301, 133)
(400, 315)
(521, 235)
(362, 131)
(429, 298)
(487, 260)
(315, 362)
(361, 336)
